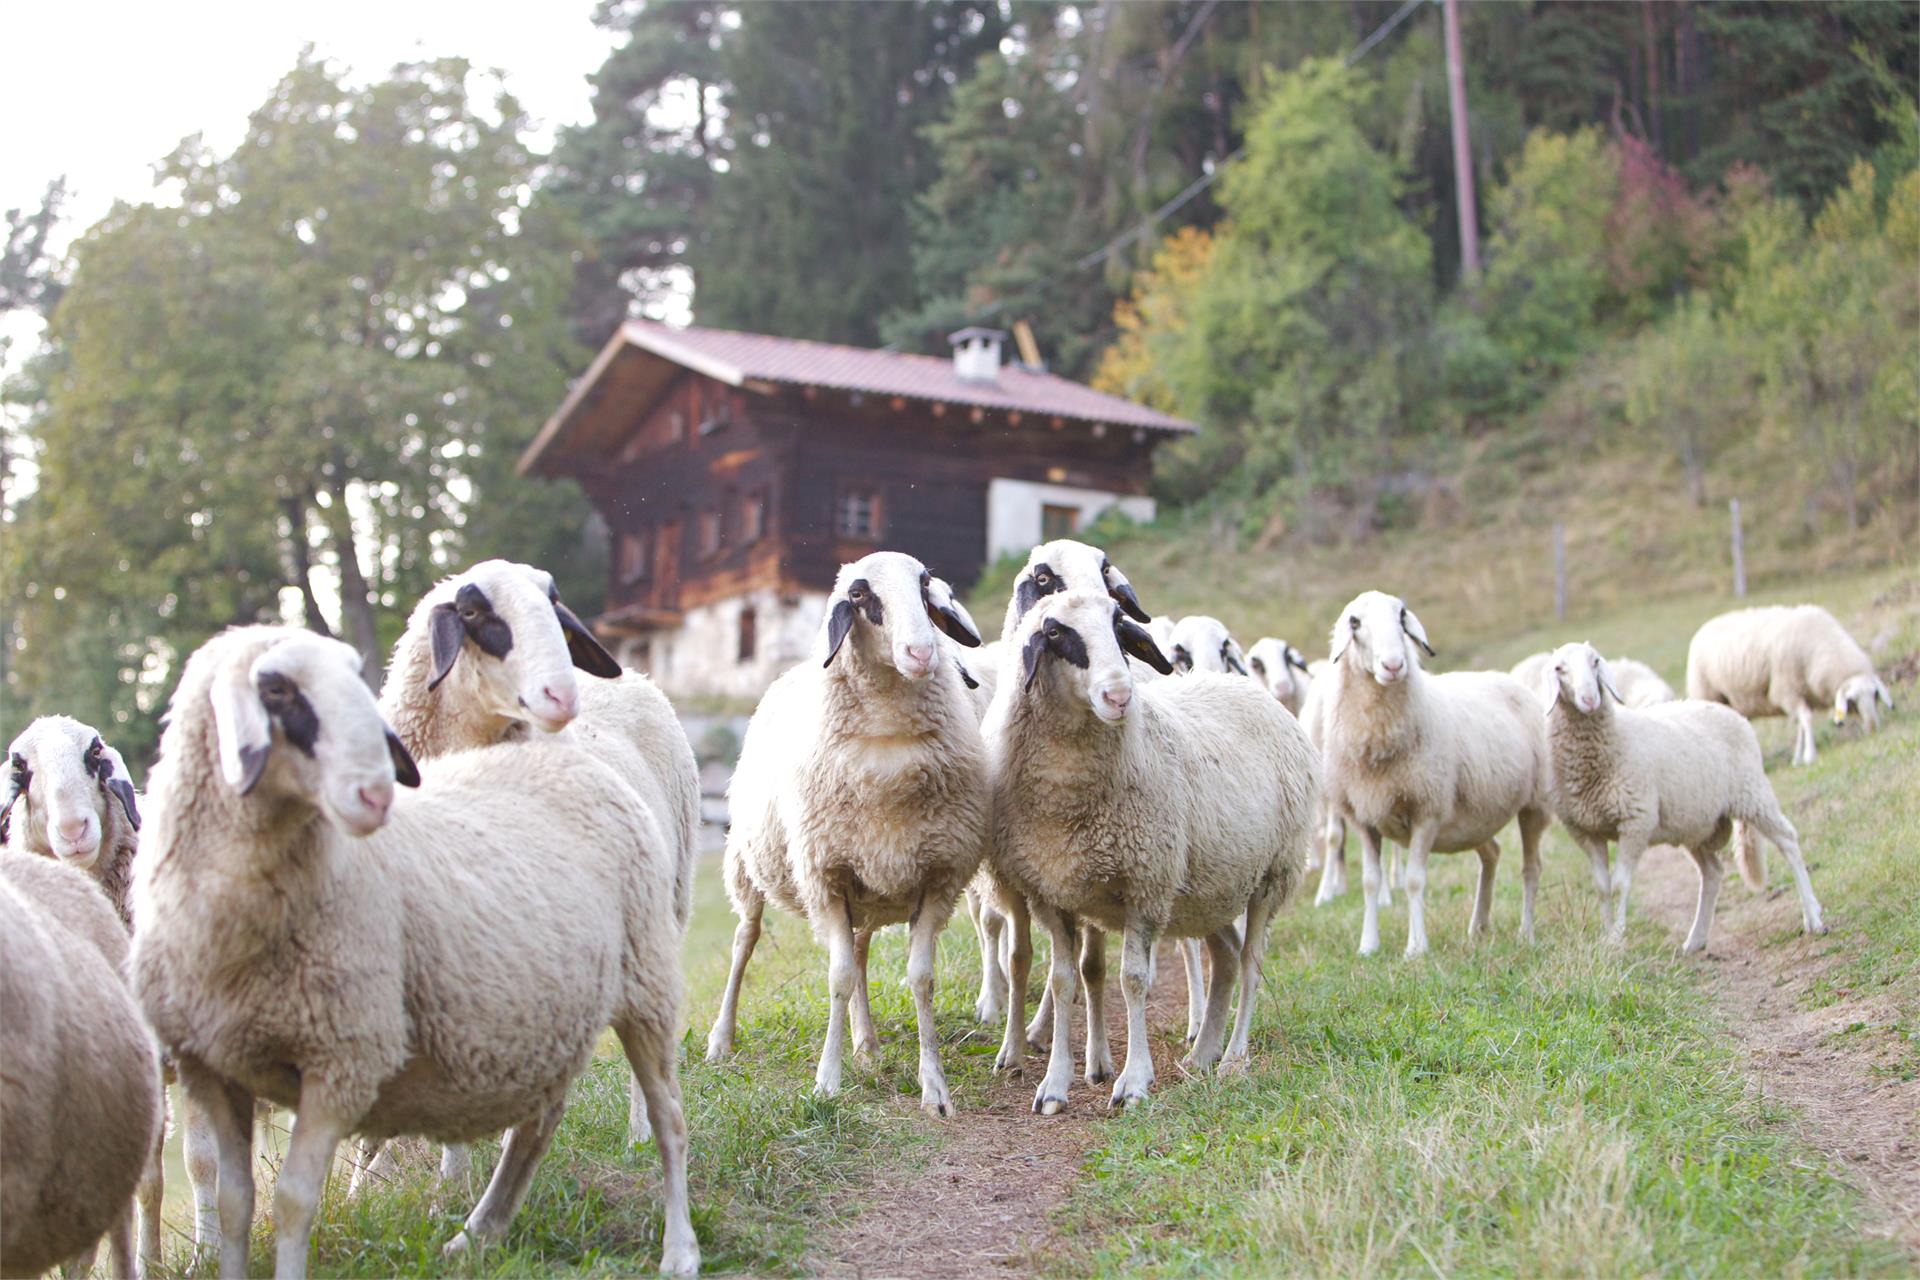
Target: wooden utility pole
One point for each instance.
(1462, 145)
(1560, 570)
(1739, 552)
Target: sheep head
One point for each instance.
(1078, 644)
(68, 776)
(891, 605)
(1578, 676)
(1373, 635)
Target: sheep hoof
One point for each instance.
(1099, 1075)
(1234, 1065)
(681, 1261)
(985, 1010)
(865, 1051)
(1010, 1061)
(1125, 1098)
(639, 1136)
(718, 1050)
(456, 1247)
(1048, 1104)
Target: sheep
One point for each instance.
(1202, 643)
(1434, 762)
(1162, 809)
(1528, 670)
(860, 800)
(80, 809)
(489, 656)
(1282, 671)
(1785, 661)
(1640, 685)
(1686, 773)
(80, 1102)
(437, 963)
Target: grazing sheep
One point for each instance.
(80, 809)
(80, 1103)
(437, 964)
(489, 656)
(860, 800)
(1785, 661)
(1686, 773)
(1437, 763)
(1164, 809)
(1282, 671)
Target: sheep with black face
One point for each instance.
(1438, 763)
(1203, 643)
(438, 962)
(860, 800)
(999, 914)
(1162, 808)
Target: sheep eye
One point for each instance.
(858, 593)
(1353, 623)
(1053, 633)
(1042, 578)
(1259, 666)
(275, 690)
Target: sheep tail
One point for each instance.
(1750, 856)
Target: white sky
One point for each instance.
(100, 92)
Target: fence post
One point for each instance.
(1739, 552)
(1560, 570)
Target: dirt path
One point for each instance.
(1866, 1119)
(985, 1200)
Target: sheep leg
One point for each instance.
(866, 1041)
(1533, 824)
(835, 927)
(1253, 951)
(1369, 890)
(202, 1151)
(1597, 857)
(227, 1112)
(745, 935)
(526, 1144)
(151, 1195)
(1040, 1028)
(1803, 751)
(1419, 841)
(1223, 949)
(120, 1264)
(1396, 866)
(1482, 919)
(317, 1131)
(1632, 845)
(1710, 874)
(1136, 980)
(374, 1161)
(1333, 876)
(1775, 827)
(988, 925)
(1018, 939)
(650, 1054)
(1196, 986)
(923, 934)
(1098, 1058)
(456, 1158)
(1051, 1097)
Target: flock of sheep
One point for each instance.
(290, 929)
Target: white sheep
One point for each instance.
(1640, 685)
(1684, 773)
(79, 808)
(1164, 809)
(80, 1102)
(1785, 661)
(438, 964)
(1438, 763)
(1202, 643)
(1282, 671)
(1000, 915)
(489, 656)
(860, 800)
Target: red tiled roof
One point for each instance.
(739, 359)
(735, 357)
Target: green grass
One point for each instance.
(1566, 1108)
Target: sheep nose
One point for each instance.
(375, 797)
(921, 654)
(1392, 666)
(566, 703)
(1117, 698)
(73, 830)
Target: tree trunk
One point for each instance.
(356, 605)
(301, 555)
(1651, 34)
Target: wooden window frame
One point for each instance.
(641, 539)
(746, 642)
(877, 514)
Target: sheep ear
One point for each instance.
(1550, 687)
(405, 771)
(966, 676)
(449, 634)
(1231, 655)
(1604, 674)
(244, 730)
(120, 783)
(1122, 591)
(18, 775)
(839, 622)
(587, 652)
(1415, 632)
(1296, 659)
(1137, 642)
(1338, 641)
(1025, 595)
(1030, 656)
(949, 614)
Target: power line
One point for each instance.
(1194, 188)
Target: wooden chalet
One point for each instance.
(736, 472)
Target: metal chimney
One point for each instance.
(976, 354)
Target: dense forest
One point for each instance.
(295, 383)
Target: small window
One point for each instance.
(676, 426)
(1058, 522)
(858, 514)
(636, 555)
(749, 624)
(710, 531)
(753, 516)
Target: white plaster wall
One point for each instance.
(1013, 511)
(700, 657)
